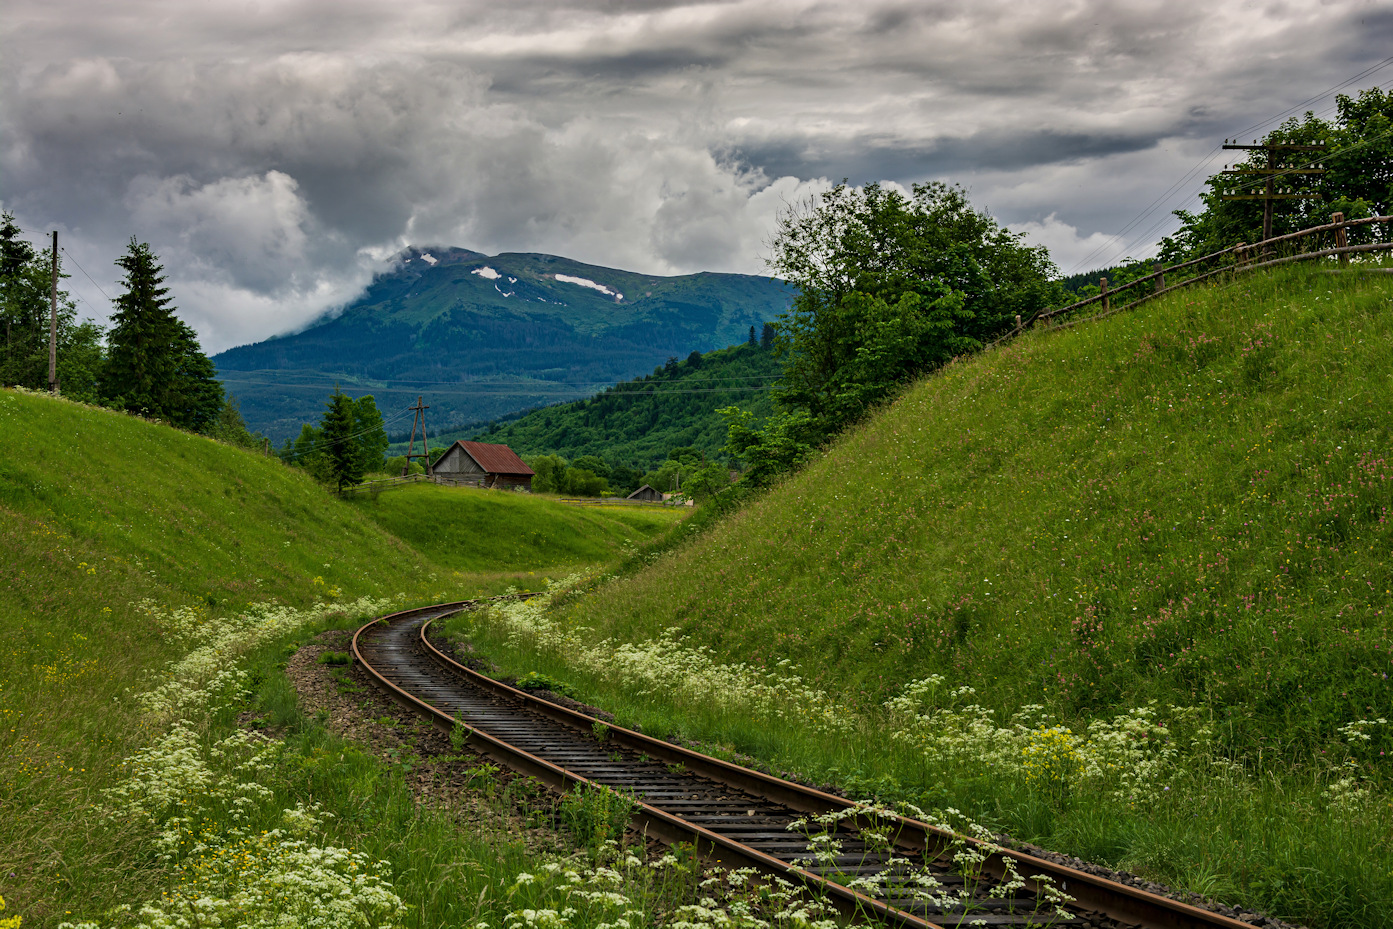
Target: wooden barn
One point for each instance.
(645, 493)
(483, 465)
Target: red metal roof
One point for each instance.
(495, 459)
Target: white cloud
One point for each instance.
(1067, 247)
(249, 231)
(272, 152)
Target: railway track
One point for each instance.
(904, 871)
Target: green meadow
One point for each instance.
(469, 529)
(1121, 589)
(136, 563)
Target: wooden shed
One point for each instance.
(645, 493)
(483, 465)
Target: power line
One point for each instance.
(85, 274)
(1147, 234)
(502, 382)
(1207, 159)
(316, 446)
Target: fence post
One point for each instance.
(1103, 287)
(1160, 271)
(1341, 241)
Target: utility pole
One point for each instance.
(53, 322)
(420, 419)
(1270, 192)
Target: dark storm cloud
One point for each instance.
(274, 153)
(872, 159)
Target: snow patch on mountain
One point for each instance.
(568, 279)
(486, 273)
(426, 256)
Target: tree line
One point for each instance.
(148, 361)
(892, 286)
(349, 443)
(1358, 181)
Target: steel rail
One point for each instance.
(1125, 905)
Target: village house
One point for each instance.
(482, 464)
(645, 493)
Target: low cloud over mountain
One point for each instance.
(276, 153)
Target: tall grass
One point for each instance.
(1186, 504)
(107, 524)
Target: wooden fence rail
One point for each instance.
(369, 487)
(1242, 254)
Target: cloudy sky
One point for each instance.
(275, 153)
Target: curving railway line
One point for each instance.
(741, 816)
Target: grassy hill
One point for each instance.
(468, 529)
(1121, 589)
(484, 336)
(638, 422)
(139, 566)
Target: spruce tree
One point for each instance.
(371, 438)
(338, 444)
(154, 363)
(753, 342)
(766, 338)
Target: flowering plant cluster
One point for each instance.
(627, 893)
(201, 799)
(671, 665)
(969, 846)
(1127, 757)
(204, 677)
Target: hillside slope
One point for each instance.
(485, 336)
(1059, 516)
(1139, 569)
(638, 422)
(125, 544)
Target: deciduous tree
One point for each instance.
(889, 287)
(1358, 181)
(25, 281)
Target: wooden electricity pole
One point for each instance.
(420, 419)
(53, 321)
(1270, 192)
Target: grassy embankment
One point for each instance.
(468, 529)
(1122, 590)
(131, 555)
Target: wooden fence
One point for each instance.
(372, 487)
(1235, 259)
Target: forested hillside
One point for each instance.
(638, 422)
(482, 337)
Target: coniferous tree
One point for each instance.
(766, 338)
(753, 341)
(371, 435)
(154, 363)
(338, 444)
(229, 426)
